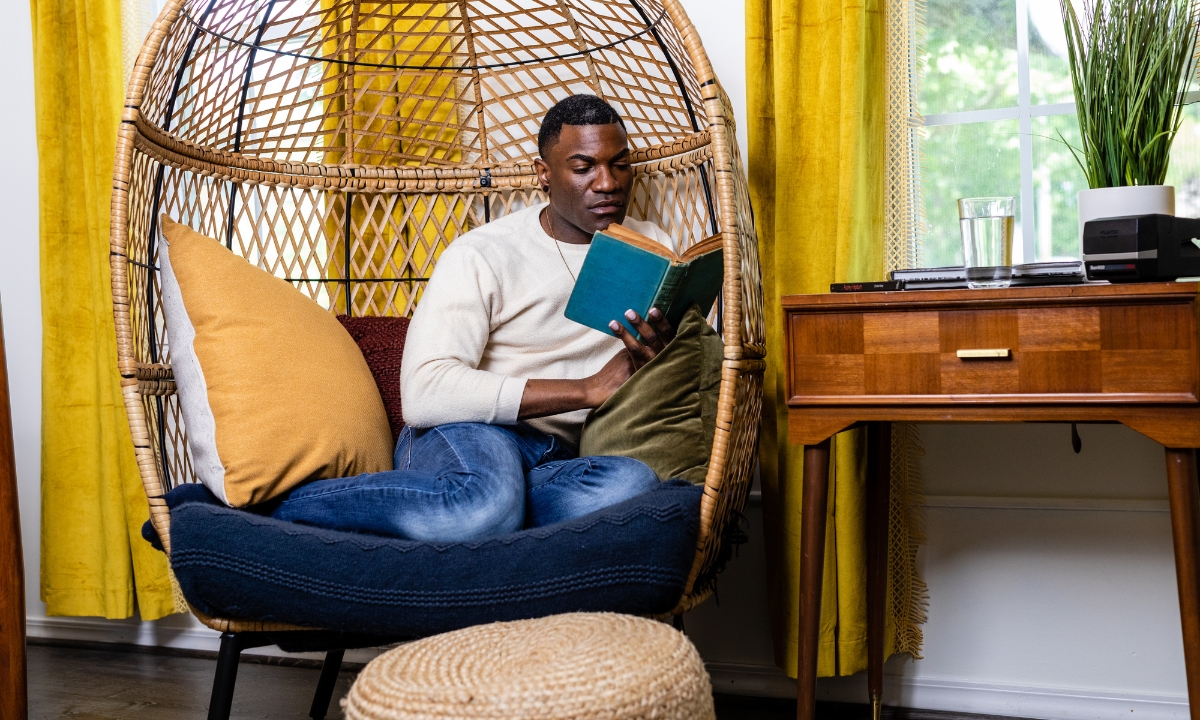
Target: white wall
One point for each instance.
(1052, 581)
(1051, 578)
(722, 26)
(19, 294)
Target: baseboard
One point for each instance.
(191, 636)
(963, 697)
(1031, 702)
(971, 502)
(126, 632)
(756, 680)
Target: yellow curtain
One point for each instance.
(94, 561)
(815, 84)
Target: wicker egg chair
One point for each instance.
(342, 144)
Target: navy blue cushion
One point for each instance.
(633, 557)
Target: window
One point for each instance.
(998, 105)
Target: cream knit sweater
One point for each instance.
(491, 317)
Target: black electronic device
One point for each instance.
(1141, 248)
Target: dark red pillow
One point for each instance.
(381, 340)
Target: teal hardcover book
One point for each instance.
(625, 270)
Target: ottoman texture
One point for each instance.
(578, 666)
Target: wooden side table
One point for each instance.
(13, 702)
(1087, 353)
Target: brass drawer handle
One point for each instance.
(985, 354)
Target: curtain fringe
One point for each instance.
(904, 227)
(136, 18)
(904, 201)
(908, 595)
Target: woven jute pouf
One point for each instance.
(580, 666)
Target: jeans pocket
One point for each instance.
(555, 453)
(402, 458)
(567, 469)
(551, 466)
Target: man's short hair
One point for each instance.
(575, 110)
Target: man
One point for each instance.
(496, 381)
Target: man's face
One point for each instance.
(589, 175)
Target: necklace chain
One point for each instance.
(550, 232)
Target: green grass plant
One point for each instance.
(1131, 63)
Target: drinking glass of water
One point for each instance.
(987, 235)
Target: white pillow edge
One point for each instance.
(189, 382)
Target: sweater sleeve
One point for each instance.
(439, 379)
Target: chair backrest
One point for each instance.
(342, 144)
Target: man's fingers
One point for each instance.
(659, 321)
(650, 336)
(637, 351)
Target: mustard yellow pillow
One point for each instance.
(273, 390)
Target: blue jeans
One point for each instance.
(466, 481)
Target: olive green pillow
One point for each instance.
(666, 414)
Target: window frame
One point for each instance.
(1023, 113)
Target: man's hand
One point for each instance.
(612, 376)
(551, 397)
(655, 335)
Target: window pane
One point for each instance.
(1057, 178)
(1049, 71)
(1184, 172)
(971, 56)
(971, 160)
(971, 64)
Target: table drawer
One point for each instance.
(1071, 351)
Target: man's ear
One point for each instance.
(543, 173)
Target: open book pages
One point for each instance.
(639, 240)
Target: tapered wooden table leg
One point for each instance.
(12, 569)
(879, 481)
(814, 504)
(1185, 531)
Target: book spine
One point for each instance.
(671, 282)
(882, 286)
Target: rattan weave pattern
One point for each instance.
(578, 666)
(343, 144)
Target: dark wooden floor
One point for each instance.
(95, 682)
(91, 684)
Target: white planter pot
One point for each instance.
(1121, 201)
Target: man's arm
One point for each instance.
(439, 377)
(551, 397)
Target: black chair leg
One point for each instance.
(329, 676)
(227, 666)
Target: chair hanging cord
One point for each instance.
(485, 181)
(390, 66)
